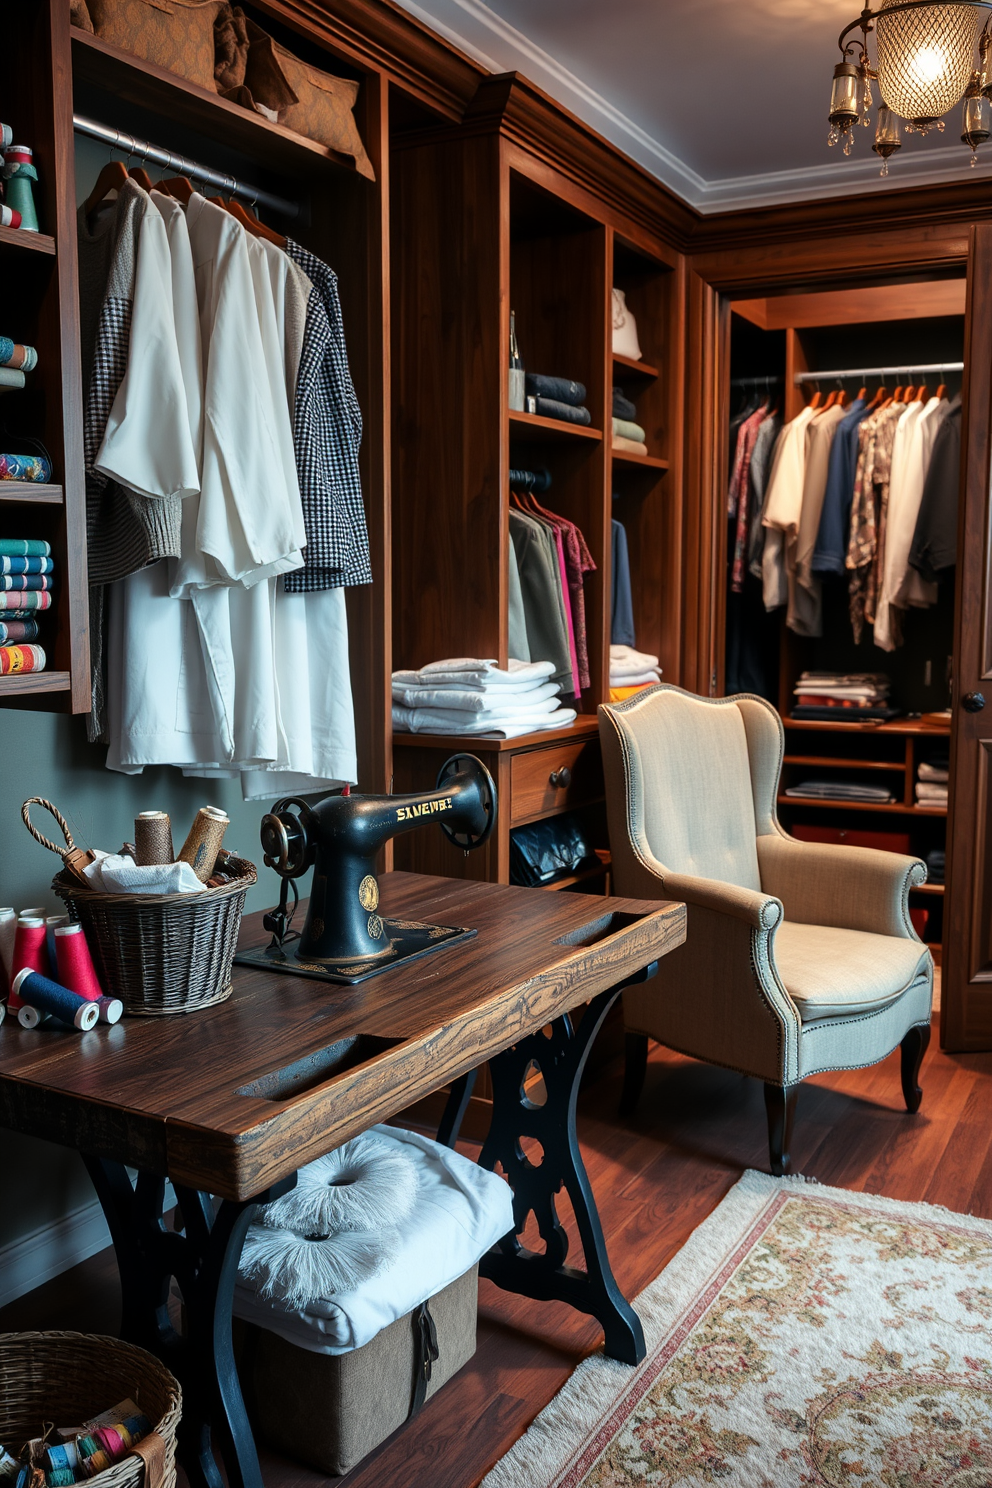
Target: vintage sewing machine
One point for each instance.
(344, 938)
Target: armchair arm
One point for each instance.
(851, 888)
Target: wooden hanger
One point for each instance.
(814, 402)
(831, 400)
(941, 391)
(181, 187)
(111, 178)
(251, 224)
(880, 399)
(140, 177)
(862, 392)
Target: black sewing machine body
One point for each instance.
(344, 938)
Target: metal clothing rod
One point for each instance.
(182, 166)
(852, 372)
(756, 381)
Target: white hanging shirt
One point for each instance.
(905, 494)
(783, 506)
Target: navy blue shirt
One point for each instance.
(835, 517)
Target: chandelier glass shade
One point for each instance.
(931, 56)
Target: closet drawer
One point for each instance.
(547, 779)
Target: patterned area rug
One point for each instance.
(803, 1336)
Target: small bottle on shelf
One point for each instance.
(517, 375)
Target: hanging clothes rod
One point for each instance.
(854, 372)
(741, 382)
(183, 167)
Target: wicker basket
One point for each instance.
(68, 1378)
(162, 953)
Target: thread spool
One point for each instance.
(51, 921)
(74, 964)
(204, 841)
(111, 1009)
(8, 927)
(42, 995)
(153, 838)
(30, 952)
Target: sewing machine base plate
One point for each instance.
(409, 938)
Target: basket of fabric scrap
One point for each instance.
(162, 935)
(77, 1406)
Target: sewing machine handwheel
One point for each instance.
(468, 763)
(285, 846)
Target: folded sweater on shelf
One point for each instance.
(937, 770)
(841, 790)
(629, 446)
(568, 413)
(930, 794)
(558, 389)
(623, 408)
(627, 429)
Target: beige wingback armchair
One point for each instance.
(799, 957)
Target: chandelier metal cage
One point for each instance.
(931, 55)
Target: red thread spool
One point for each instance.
(30, 953)
(75, 964)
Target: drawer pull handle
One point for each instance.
(560, 779)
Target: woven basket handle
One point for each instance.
(70, 846)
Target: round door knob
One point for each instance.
(560, 779)
(973, 702)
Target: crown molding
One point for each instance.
(498, 47)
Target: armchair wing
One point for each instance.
(850, 888)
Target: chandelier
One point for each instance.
(925, 66)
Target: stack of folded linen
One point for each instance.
(931, 783)
(466, 695)
(842, 790)
(627, 433)
(843, 696)
(631, 670)
(558, 398)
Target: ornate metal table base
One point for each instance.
(519, 1112)
(203, 1256)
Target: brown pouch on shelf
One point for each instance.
(325, 110)
(230, 50)
(80, 16)
(268, 85)
(175, 34)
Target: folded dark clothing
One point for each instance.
(935, 865)
(622, 407)
(551, 408)
(561, 389)
(850, 715)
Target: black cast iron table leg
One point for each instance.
(519, 1112)
(203, 1257)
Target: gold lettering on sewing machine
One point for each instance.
(423, 808)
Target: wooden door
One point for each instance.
(966, 991)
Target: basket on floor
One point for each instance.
(66, 1379)
(163, 953)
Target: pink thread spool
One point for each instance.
(30, 954)
(74, 964)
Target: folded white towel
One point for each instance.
(492, 715)
(120, 875)
(930, 794)
(437, 721)
(635, 679)
(933, 772)
(626, 659)
(464, 671)
(500, 699)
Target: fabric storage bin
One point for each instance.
(324, 107)
(333, 1379)
(330, 1411)
(897, 842)
(175, 34)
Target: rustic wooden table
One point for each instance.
(228, 1103)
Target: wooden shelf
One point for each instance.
(831, 762)
(532, 428)
(928, 888)
(33, 491)
(585, 724)
(892, 807)
(643, 369)
(866, 726)
(34, 682)
(30, 242)
(646, 462)
(141, 82)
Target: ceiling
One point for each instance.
(724, 102)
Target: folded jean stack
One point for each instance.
(843, 697)
(469, 696)
(15, 361)
(631, 670)
(557, 398)
(931, 782)
(628, 436)
(26, 582)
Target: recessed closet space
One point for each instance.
(842, 490)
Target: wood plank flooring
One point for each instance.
(657, 1176)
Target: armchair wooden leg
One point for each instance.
(780, 1105)
(635, 1068)
(913, 1046)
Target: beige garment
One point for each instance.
(783, 505)
(805, 613)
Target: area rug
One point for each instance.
(804, 1335)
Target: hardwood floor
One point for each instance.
(657, 1176)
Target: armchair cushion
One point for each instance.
(830, 973)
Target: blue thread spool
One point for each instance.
(44, 996)
(19, 172)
